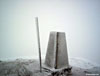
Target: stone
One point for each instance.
(57, 56)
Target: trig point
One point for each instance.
(57, 56)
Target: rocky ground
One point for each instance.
(29, 67)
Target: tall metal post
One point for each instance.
(39, 47)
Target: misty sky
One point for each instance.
(80, 19)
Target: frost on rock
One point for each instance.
(31, 68)
(13, 69)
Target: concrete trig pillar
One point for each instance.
(56, 56)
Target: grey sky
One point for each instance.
(80, 19)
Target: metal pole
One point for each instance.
(39, 47)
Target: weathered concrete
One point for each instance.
(57, 57)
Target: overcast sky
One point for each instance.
(80, 19)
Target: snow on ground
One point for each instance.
(30, 67)
(82, 63)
